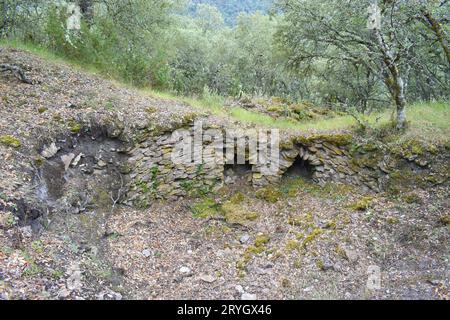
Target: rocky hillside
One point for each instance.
(91, 207)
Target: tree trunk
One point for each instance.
(394, 80)
(400, 101)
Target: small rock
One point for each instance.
(77, 160)
(109, 295)
(308, 289)
(422, 163)
(208, 278)
(351, 255)
(436, 282)
(239, 289)
(248, 296)
(101, 164)
(67, 160)
(262, 271)
(146, 253)
(244, 238)
(26, 232)
(64, 293)
(185, 270)
(87, 170)
(50, 151)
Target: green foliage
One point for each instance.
(211, 49)
(343, 59)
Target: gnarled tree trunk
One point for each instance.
(393, 79)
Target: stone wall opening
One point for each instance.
(238, 173)
(301, 168)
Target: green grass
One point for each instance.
(421, 116)
(425, 119)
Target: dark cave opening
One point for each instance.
(238, 173)
(300, 169)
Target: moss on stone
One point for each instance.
(412, 148)
(370, 147)
(276, 109)
(340, 252)
(286, 145)
(237, 214)
(205, 209)
(392, 220)
(362, 204)
(269, 194)
(311, 237)
(292, 245)
(258, 247)
(74, 127)
(10, 141)
(261, 240)
(304, 220)
(39, 161)
(445, 220)
(412, 198)
(339, 140)
(237, 198)
(151, 110)
(320, 264)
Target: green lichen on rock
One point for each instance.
(10, 141)
(269, 194)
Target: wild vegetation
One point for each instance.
(335, 56)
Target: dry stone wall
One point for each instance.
(150, 173)
(329, 158)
